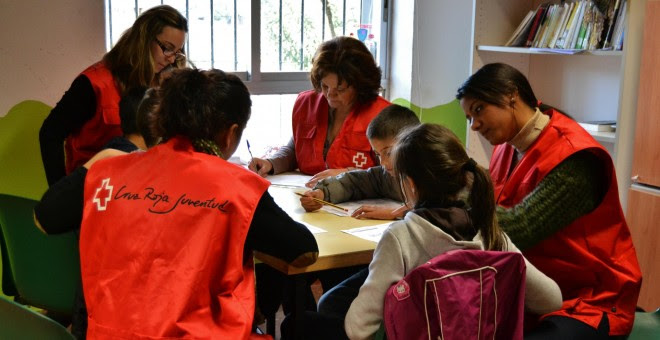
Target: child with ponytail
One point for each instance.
(454, 208)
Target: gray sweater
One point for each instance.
(409, 243)
(374, 182)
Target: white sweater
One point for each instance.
(409, 243)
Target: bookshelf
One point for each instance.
(589, 85)
(527, 50)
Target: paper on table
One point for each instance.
(351, 206)
(289, 179)
(313, 229)
(370, 233)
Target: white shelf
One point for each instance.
(527, 50)
(602, 136)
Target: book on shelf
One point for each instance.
(560, 25)
(519, 33)
(617, 39)
(556, 12)
(573, 25)
(599, 125)
(611, 13)
(540, 14)
(543, 26)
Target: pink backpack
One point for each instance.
(461, 294)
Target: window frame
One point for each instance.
(282, 82)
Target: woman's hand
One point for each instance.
(379, 213)
(308, 203)
(324, 174)
(261, 166)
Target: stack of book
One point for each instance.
(599, 125)
(578, 25)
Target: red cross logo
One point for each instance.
(102, 202)
(359, 159)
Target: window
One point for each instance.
(267, 43)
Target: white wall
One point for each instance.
(401, 49)
(430, 49)
(44, 45)
(442, 47)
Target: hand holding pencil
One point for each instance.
(313, 200)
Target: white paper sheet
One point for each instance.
(371, 233)
(289, 179)
(313, 229)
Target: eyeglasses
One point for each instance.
(169, 52)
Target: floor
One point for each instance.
(317, 290)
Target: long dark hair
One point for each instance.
(434, 158)
(496, 83)
(130, 60)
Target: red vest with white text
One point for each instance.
(82, 144)
(350, 148)
(592, 259)
(162, 245)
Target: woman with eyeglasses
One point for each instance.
(87, 116)
(330, 121)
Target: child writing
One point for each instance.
(453, 208)
(375, 182)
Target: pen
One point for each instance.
(323, 202)
(250, 151)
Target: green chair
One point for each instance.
(449, 115)
(20, 323)
(22, 173)
(646, 326)
(45, 268)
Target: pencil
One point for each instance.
(323, 202)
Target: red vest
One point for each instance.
(350, 148)
(161, 245)
(593, 259)
(81, 145)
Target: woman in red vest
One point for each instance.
(557, 198)
(330, 122)
(87, 116)
(167, 235)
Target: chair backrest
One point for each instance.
(461, 294)
(20, 323)
(22, 171)
(45, 268)
(449, 115)
(646, 326)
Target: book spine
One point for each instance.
(564, 34)
(535, 25)
(611, 23)
(560, 26)
(551, 21)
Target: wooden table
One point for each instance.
(337, 249)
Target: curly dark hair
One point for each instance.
(201, 104)
(352, 62)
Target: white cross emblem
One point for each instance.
(359, 159)
(102, 202)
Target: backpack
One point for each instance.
(460, 294)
